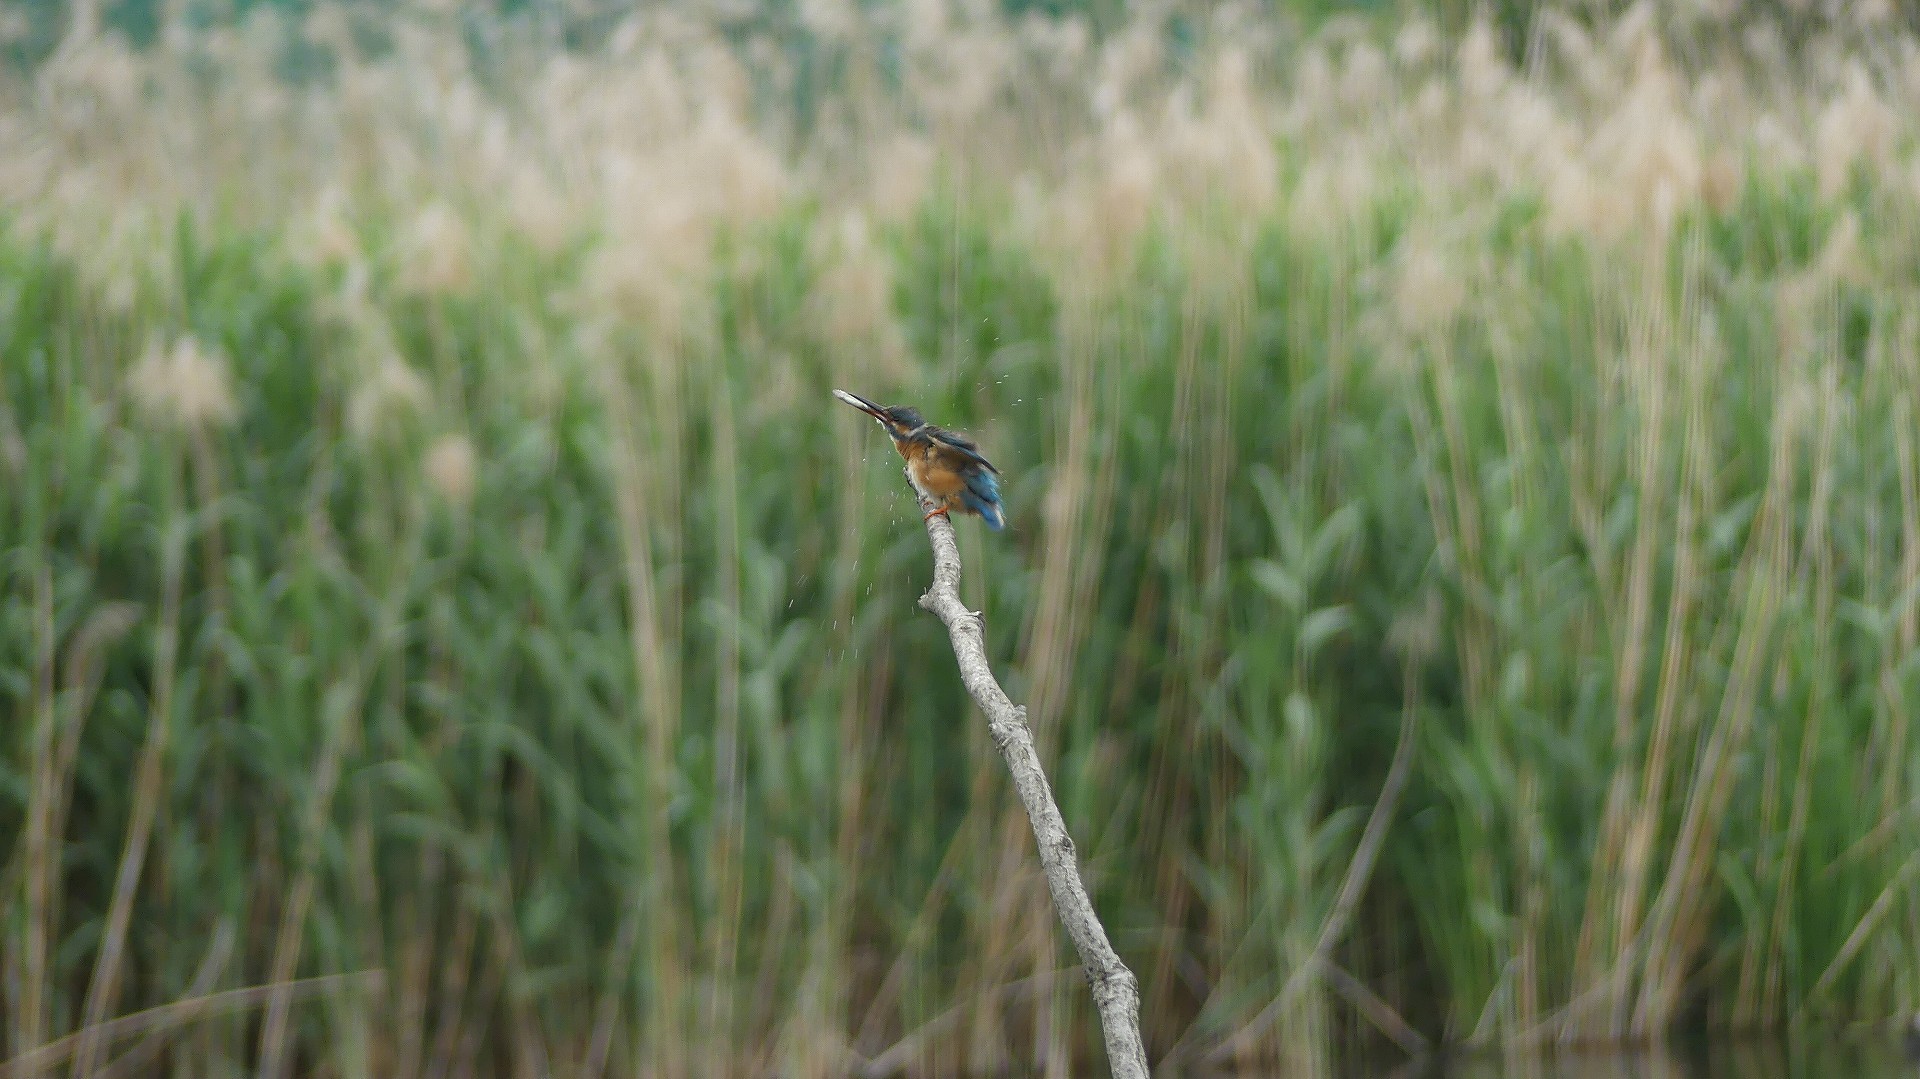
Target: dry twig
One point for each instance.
(1115, 992)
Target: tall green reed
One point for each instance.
(487, 592)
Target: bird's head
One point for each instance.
(900, 421)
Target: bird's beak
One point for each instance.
(862, 404)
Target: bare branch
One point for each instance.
(1359, 870)
(167, 1016)
(1115, 992)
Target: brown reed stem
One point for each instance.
(1115, 992)
(104, 986)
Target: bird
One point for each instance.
(943, 466)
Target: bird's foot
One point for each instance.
(979, 619)
(942, 511)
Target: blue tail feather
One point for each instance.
(982, 496)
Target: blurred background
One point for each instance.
(447, 628)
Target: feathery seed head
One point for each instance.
(183, 385)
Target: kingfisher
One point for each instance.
(943, 466)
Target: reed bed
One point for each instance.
(429, 547)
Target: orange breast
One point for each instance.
(934, 475)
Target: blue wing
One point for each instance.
(982, 492)
(962, 445)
